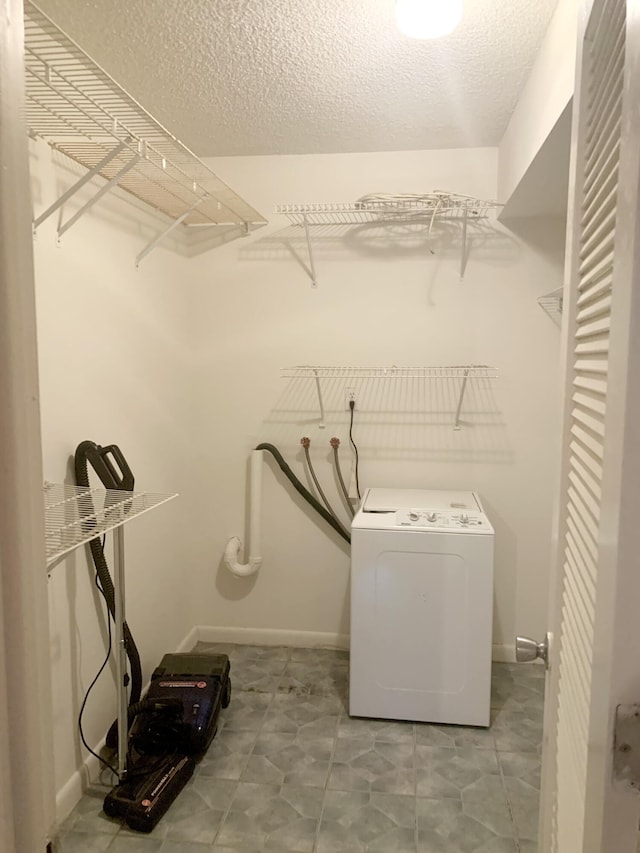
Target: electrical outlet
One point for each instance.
(349, 396)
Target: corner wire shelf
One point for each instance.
(462, 372)
(423, 209)
(81, 111)
(75, 515)
(551, 304)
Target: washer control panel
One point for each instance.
(442, 520)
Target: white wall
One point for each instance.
(543, 190)
(379, 302)
(545, 96)
(179, 364)
(114, 368)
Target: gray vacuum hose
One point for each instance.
(306, 494)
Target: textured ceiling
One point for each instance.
(310, 76)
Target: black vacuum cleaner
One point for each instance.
(172, 725)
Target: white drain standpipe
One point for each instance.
(231, 552)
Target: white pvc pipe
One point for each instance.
(231, 552)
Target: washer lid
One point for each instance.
(390, 500)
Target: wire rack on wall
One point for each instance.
(441, 206)
(470, 371)
(423, 209)
(74, 515)
(551, 304)
(81, 111)
(463, 372)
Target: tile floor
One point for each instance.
(289, 770)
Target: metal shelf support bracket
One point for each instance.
(151, 246)
(322, 424)
(463, 256)
(102, 191)
(121, 653)
(463, 388)
(312, 266)
(78, 185)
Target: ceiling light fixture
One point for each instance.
(428, 19)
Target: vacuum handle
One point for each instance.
(111, 466)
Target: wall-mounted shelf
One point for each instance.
(424, 209)
(463, 373)
(75, 515)
(81, 111)
(471, 371)
(551, 304)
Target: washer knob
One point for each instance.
(464, 518)
(431, 516)
(413, 516)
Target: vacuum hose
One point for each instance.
(102, 569)
(306, 494)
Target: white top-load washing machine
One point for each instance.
(421, 607)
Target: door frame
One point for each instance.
(612, 813)
(26, 772)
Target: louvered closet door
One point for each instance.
(595, 643)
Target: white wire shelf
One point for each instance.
(462, 372)
(469, 371)
(436, 205)
(75, 515)
(551, 304)
(422, 209)
(81, 111)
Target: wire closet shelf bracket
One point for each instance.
(82, 112)
(463, 373)
(426, 209)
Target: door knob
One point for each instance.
(528, 650)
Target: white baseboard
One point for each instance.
(272, 637)
(189, 641)
(503, 653)
(303, 639)
(71, 792)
